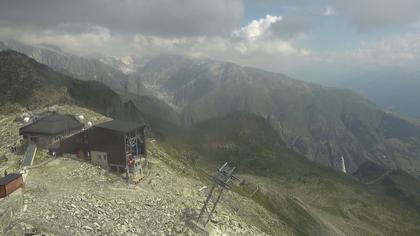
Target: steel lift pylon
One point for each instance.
(222, 180)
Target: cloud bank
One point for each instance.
(157, 17)
(301, 39)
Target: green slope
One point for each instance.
(308, 198)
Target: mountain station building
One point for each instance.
(50, 128)
(114, 145)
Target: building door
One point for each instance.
(34, 139)
(83, 154)
(99, 158)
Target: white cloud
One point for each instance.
(149, 17)
(267, 47)
(256, 38)
(211, 29)
(95, 40)
(250, 40)
(256, 29)
(329, 11)
(397, 50)
(305, 52)
(253, 45)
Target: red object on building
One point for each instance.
(130, 161)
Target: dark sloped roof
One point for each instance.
(120, 126)
(52, 124)
(9, 178)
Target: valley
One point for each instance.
(291, 194)
(324, 124)
(209, 118)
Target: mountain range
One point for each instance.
(24, 83)
(77, 67)
(306, 197)
(322, 123)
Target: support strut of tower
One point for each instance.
(222, 180)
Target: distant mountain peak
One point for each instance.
(320, 122)
(50, 47)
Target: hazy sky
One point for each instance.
(307, 39)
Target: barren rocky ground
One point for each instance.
(65, 196)
(69, 197)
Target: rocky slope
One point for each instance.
(106, 70)
(284, 194)
(128, 64)
(68, 197)
(24, 83)
(77, 67)
(322, 123)
(309, 198)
